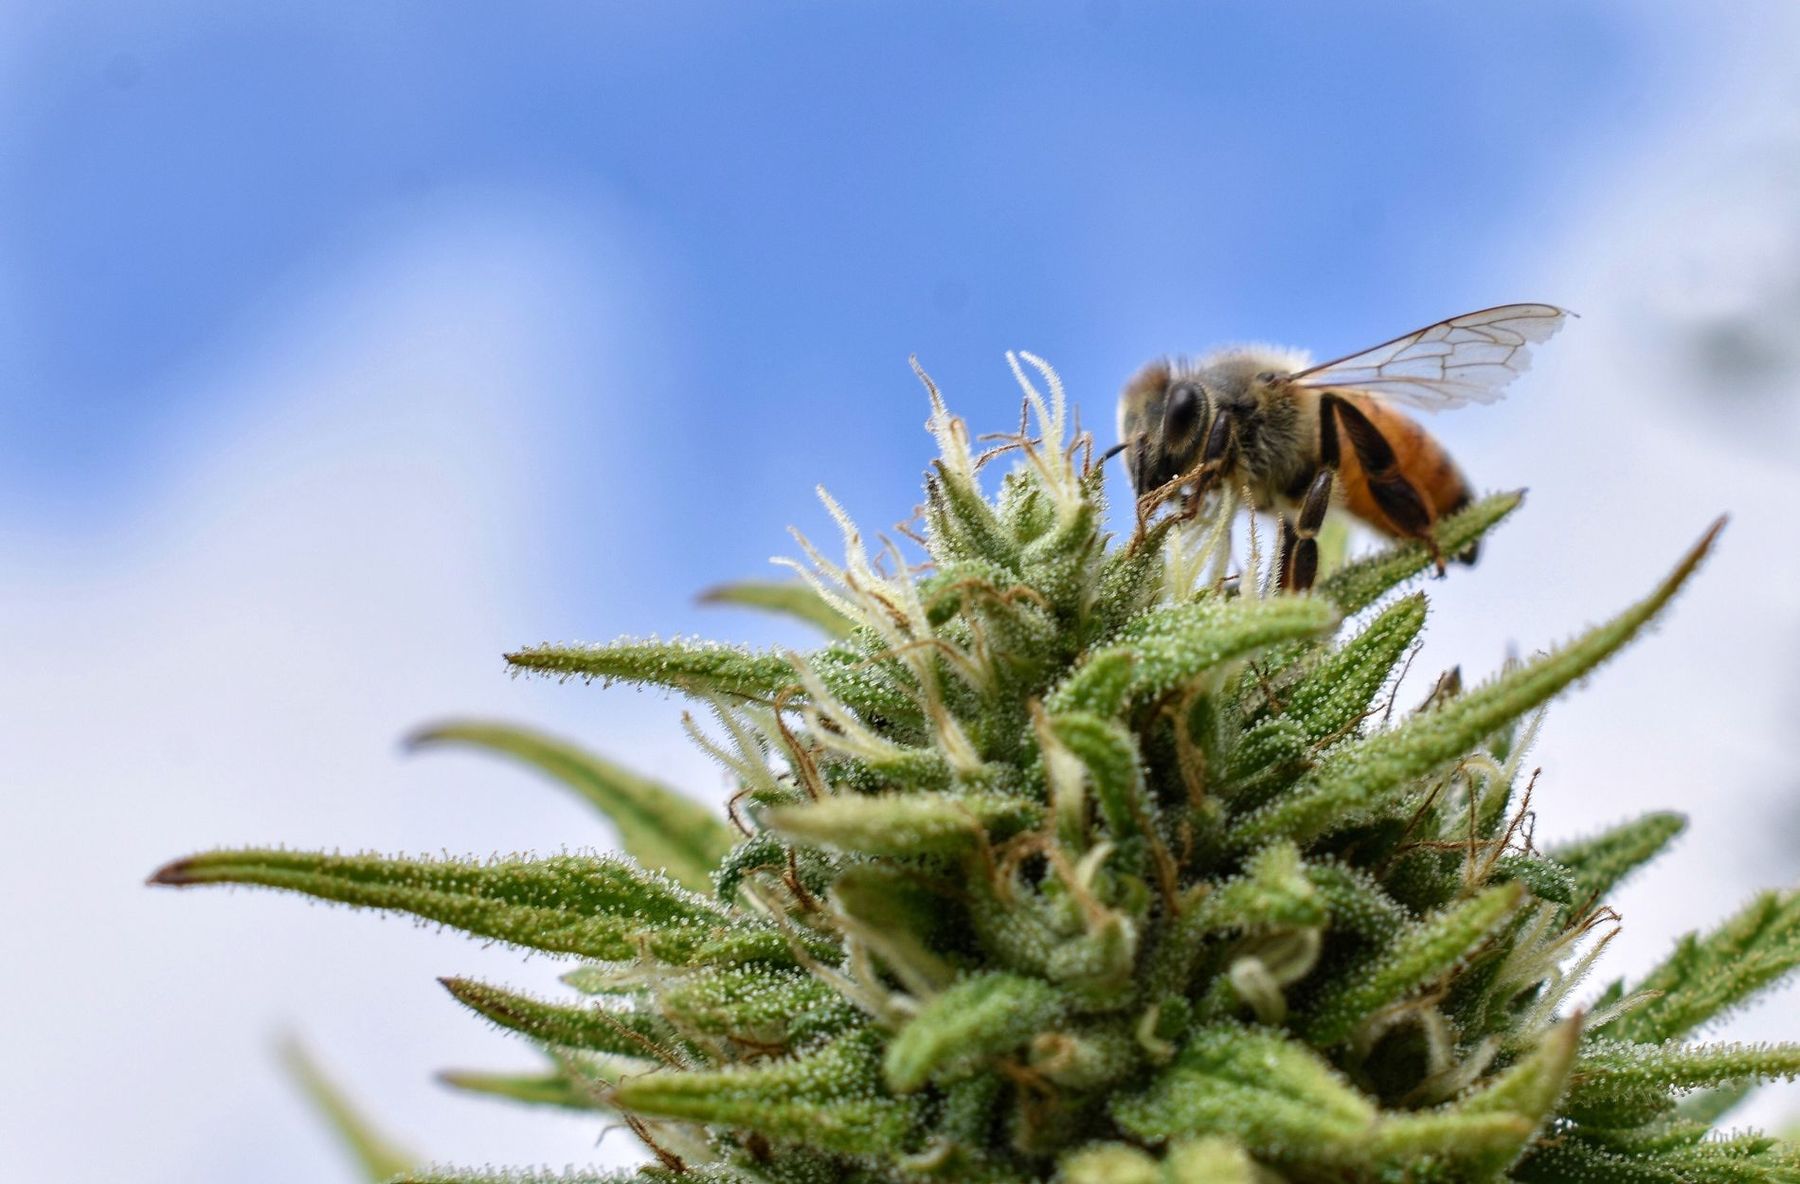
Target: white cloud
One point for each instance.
(343, 546)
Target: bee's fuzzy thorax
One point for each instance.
(1264, 355)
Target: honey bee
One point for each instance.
(1303, 438)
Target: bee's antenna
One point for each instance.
(1112, 452)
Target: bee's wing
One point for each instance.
(1466, 359)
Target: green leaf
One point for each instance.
(904, 824)
(1332, 698)
(1062, 565)
(1612, 1075)
(1369, 773)
(1090, 1057)
(1110, 1163)
(1707, 1106)
(621, 1032)
(962, 524)
(1169, 647)
(1416, 958)
(1130, 581)
(788, 598)
(1742, 1160)
(1529, 1090)
(960, 1031)
(1708, 976)
(1273, 1095)
(516, 1176)
(1273, 893)
(1547, 879)
(1356, 586)
(376, 1157)
(1601, 863)
(568, 904)
(1403, 1140)
(1109, 754)
(1267, 757)
(658, 826)
(1356, 902)
(1101, 685)
(763, 1007)
(878, 688)
(894, 913)
(830, 1098)
(693, 667)
(573, 1084)
(1210, 1161)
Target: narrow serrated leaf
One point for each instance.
(693, 667)
(569, 904)
(1108, 752)
(831, 1098)
(1369, 772)
(1274, 892)
(375, 1155)
(1169, 647)
(1708, 976)
(658, 826)
(1609, 1071)
(904, 824)
(595, 1027)
(1334, 695)
(787, 598)
(515, 1176)
(961, 1030)
(761, 1006)
(1416, 958)
(559, 1087)
(962, 523)
(1356, 586)
(1270, 1093)
(1599, 864)
(1528, 1090)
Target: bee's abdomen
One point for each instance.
(1419, 458)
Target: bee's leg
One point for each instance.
(1216, 454)
(1300, 546)
(1214, 459)
(1399, 501)
(1284, 566)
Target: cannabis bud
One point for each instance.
(1066, 857)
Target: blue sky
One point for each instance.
(792, 202)
(344, 346)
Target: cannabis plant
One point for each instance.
(1085, 857)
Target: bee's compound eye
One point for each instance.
(1183, 414)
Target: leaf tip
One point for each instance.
(1690, 563)
(175, 874)
(423, 737)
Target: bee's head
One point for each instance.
(1163, 415)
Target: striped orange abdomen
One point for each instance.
(1417, 455)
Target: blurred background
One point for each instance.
(344, 346)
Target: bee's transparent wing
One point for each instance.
(1466, 359)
